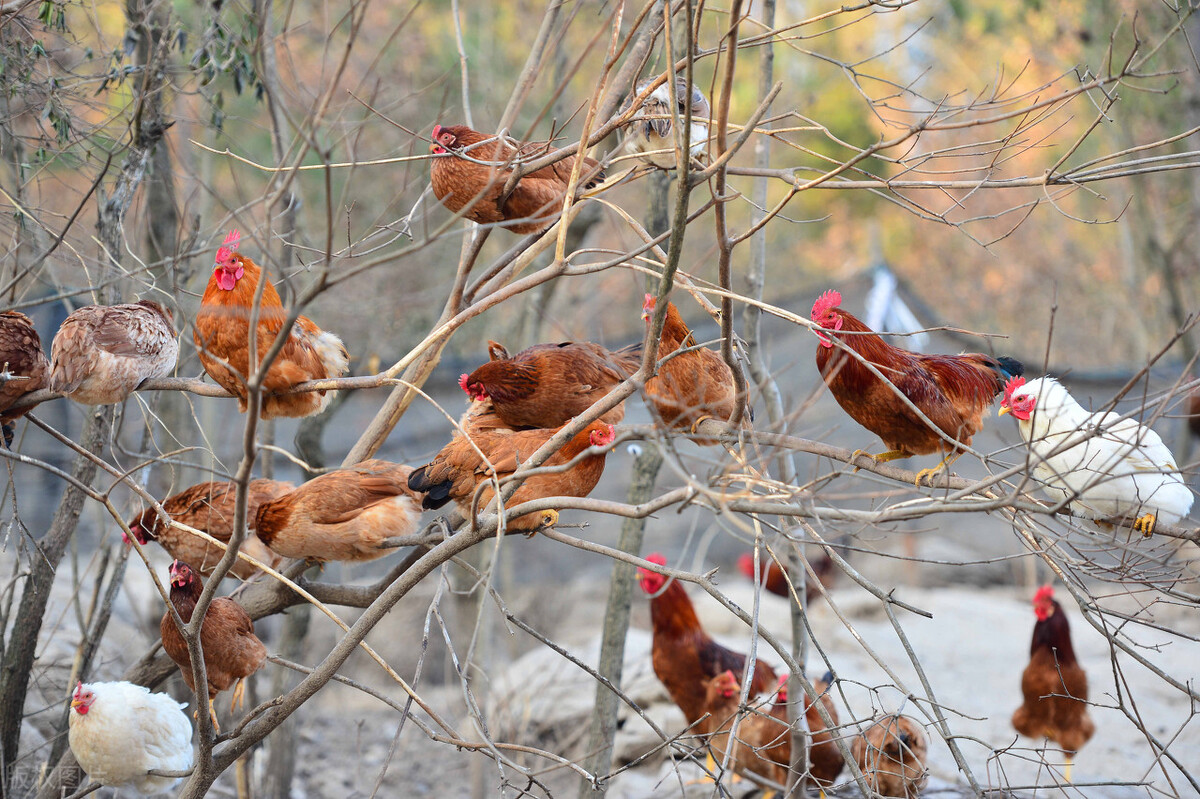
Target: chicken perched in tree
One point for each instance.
(1104, 466)
(342, 515)
(232, 652)
(21, 355)
(456, 471)
(685, 658)
(546, 385)
(222, 337)
(652, 130)
(692, 386)
(1054, 684)
(209, 507)
(477, 189)
(758, 744)
(103, 352)
(119, 732)
(775, 580)
(952, 391)
(891, 754)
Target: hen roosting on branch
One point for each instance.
(470, 170)
(952, 391)
(1104, 466)
(232, 652)
(684, 656)
(652, 129)
(342, 515)
(209, 507)
(1054, 685)
(549, 384)
(101, 353)
(457, 471)
(222, 337)
(693, 385)
(22, 357)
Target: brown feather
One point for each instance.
(21, 354)
(1055, 687)
(892, 753)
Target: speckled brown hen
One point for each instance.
(477, 189)
(342, 515)
(210, 507)
(756, 746)
(891, 754)
(21, 355)
(101, 353)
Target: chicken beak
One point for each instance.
(1003, 410)
(76, 703)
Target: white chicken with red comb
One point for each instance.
(1103, 465)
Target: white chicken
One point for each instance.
(120, 731)
(1105, 466)
(654, 139)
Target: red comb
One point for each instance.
(1012, 385)
(78, 689)
(232, 238)
(462, 382)
(657, 558)
(1044, 594)
(830, 299)
(746, 564)
(437, 129)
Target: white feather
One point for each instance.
(1105, 466)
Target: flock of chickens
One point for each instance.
(1099, 466)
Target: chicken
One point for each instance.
(692, 386)
(210, 507)
(953, 391)
(1054, 684)
(457, 471)
(549, 384)
(101, 353)
(685, 658)
(476, 189)
(653, 140)
(342, 515)
(1105, 466)
(232, 652)
(1193, 412)
(776, 581)
(22, 357)
(120, 731)
(891, 754)
(758, 745)
(222, 337)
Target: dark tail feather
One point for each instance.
(1010, 367)
(436, 494)
(9, 431)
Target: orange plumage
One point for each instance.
(761, 743)
(952, 390)
(222, 336)
(891, 754)
(456, 471)
(685, 658)
(691, 386)
(342, 515)
(232, 651)
(547, 385)
(210, 507)
(20, 354)
(476, 189)
(1054, 685)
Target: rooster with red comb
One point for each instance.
(951, 392)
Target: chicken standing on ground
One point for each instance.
(103, 352)
(756, 746)
(652, 129)
(692, 386)
(952, 391)
(462, 184)
(457, 471)
(1054, 684)
(222, 337)
(1106, 467)
(210, 507)
(547, 385)
(776, 580)
(232, 652)
(21, 356)
(891, 754)
(685, 658)
(342, 515)
(119, 732)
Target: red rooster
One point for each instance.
(1054, 684)
(776, 580)
(685, 658)
(232, 651)
(549, 384)
(463, 184)
(222, 337)
(953, 391)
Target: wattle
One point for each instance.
(226, 280)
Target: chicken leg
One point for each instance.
(945, 464)
(1145, 524)
(239, 696)
(212, 714)
(1067, 761)
(883, 457)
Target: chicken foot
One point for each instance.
(212, 714)
(239, 696)
(945, 464)
(1145, 525)
(883, 457)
